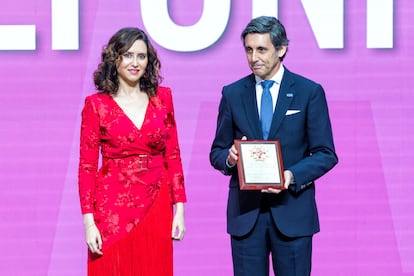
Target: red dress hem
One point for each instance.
(146, 250)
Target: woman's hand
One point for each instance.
(92, 235)
(178, 225)
(93, 239)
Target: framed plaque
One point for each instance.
(260, 164)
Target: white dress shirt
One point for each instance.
(274, 90)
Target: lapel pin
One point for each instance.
(289, 95)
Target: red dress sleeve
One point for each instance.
(172, 153)
(89, 156)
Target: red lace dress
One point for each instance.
(132, 193)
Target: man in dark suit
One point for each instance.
(280, 222)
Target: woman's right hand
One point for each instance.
(93, 239)
(92, 235)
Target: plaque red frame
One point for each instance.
(257, 181)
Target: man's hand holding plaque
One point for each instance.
(259, 164)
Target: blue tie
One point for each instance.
(266, 108)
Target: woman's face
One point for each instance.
(133, 63)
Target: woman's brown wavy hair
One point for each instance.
(106, 76)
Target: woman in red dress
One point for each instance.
(128, 127)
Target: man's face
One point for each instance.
(263, 58)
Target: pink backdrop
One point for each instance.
(365, 203)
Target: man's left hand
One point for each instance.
(288, 180)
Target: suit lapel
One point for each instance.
(285, 97)
(250, 106)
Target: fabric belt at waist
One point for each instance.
(139, 161)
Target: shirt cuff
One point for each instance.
(228, 164)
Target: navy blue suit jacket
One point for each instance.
(301, 123)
